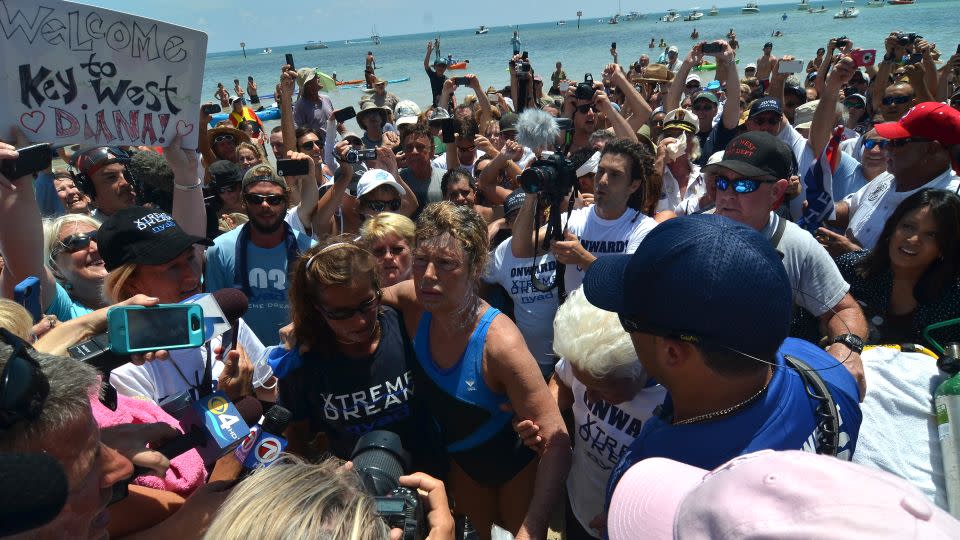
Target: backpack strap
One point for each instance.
(828, 419)
(778, 234)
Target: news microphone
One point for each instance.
(214, 426)
(265, 443)
(234, 304)
(33, 491)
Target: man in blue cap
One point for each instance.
(707, 304)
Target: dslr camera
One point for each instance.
(552, 175)
(380, 459)
(907, 39)
(523, 70)
(585, 89)
(842, 41)
(356, 156)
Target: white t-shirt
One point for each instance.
(605, 237)
(602, 431)
(874, 203)
(533, 310)
(159, 379)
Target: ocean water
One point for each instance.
(587, 49)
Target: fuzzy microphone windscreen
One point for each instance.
(536, 128)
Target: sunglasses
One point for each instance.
(854, 105)
(898, 100)
(381, 252)
(23, 386)
(344, 314)
(692, 86)
(230, 188)
(74, 243)
(698, 108)
(310, 145)
(897, 143)
(90, 161)
(222, 138)
(381, 206)
(740, 185)
(765, 120)
(255, 199)
(584, 109)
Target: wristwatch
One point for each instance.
(852, 341)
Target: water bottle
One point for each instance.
(947, 404)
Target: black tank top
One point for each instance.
(348, 397)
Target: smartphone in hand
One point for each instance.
(211, 108)
(134, 329)
(345, 114)
(31, 160)
(289, 60)
(864, 58)
(461, 81)
(448, 130)
(292, 167)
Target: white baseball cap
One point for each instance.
(374, 178)
(406, 112)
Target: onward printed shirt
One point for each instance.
(605, 236)
(269, 308)
(602, 433)
(781, 419)
(533, 309)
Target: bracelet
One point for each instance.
(275, 382)
(191, 187)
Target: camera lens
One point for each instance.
(380, 460)
(534, 179)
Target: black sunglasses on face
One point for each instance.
(229, 188)
(584, 109)
(255, 199)
(23, 386)
(381, 206)
(898, 100)
(344, 314)
(222, 138)
(310, 145)
(73, 243)
(381, 252)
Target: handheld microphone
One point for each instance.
(234, 304)
(214, 426)
(264, 444)
(23, 509)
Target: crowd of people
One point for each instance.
(570, 302)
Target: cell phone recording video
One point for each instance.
(711, 48)
(136, 329)
(864, 58)
(345, 114)
(289, 60)
(790, 66)
(461, 81)
(448, 130)
(292, 167)
(31, 160)
(211, 108)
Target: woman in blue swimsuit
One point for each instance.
(472, 368)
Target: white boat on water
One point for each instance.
(633, 16)
(848, 13)
(482, 30)
(751, 8)
(875, 3)
(671, 16)
(375, 36)
(820, 9)
(804, 5)
(561, 23)
(714, 11)
(694, 15)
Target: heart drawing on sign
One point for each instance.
(184, 129)
(33, 120)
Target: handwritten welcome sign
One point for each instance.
(71, 73)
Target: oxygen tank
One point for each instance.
(947, 405)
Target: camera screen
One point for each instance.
(157, 328)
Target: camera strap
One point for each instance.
(827, 417)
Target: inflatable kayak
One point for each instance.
(390, 81)
(709, 67)
(270, 113)
(355, 81)
(459, 65)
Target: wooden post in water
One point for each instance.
(579, 14)
(243, 46)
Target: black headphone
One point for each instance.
(83, 180)
(23, 386)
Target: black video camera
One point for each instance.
(356, 156)
(380, 460)
(552, 175)
(585, 89)
(907, 39)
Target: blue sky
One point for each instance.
(281, 22)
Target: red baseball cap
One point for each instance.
(931, 120)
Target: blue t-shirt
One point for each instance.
(64, 307)
(269, 308)
(782, 419)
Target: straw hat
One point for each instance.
(656, 73)
(238, 136)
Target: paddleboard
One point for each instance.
(270, 113)
(389, 81)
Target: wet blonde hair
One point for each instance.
(294, 499)
(16, 319)
(257, 151)
(336, 261)
(464, 224)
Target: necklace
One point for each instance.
(722, 412)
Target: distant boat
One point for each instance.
(614, 20)
(750, 8)
(901, 2)
(804, 5)
(314, 46)
(268, 50)
(875, 3)
(848, 13)
(561, 23)
(714, 11)
(375, 37)
(671, 16)
(634, 16)
(482, 30)
(820, 9)
(694, 15)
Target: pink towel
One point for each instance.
(186, 472)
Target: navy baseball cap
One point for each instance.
(703, 279)
(767, 104)
(757, 154)
(139, 235)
